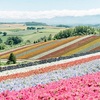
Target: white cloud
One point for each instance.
(46, 14)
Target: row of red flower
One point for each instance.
(49, 68)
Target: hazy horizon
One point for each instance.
(36, 9)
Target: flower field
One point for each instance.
(72, 89)
(95, 49)
(46, 48)
(76, 78)
(31, 50)
(22, 50)
(57, 48)
(66, 50)
(81, 48)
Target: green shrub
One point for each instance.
(11, 59)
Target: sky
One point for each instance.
(28, 9)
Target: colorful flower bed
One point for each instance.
(47, 77)
(34, 50)
(70, 79)
(91, 47)
(70, 47)
(33, 70)
(21, 52)
(80, 88)
(24, 49)
(95, 49)
(81, 47)
(46, 48)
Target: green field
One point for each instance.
(32, 35)
(21, 31)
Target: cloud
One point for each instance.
(46, 14)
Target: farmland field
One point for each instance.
(21, 30)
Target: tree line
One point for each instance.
(34, 28)
(35, 24)
(14, 40)
(44, 39)
(77, 31)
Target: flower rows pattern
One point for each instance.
(64, 80)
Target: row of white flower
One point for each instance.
(26, 69)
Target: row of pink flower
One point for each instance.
(80, 88)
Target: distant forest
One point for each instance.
(26, 23)
(35, 24)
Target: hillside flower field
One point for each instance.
(76, 78)
(56, 48)
(50, 50)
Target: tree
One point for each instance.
(4, 33)
(45, 40)
(13, 40)
(28, 41)
(10, 42)
(50, 37)
(31, 28)
(11, 59)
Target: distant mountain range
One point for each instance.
(71, 20)
(66, 20)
